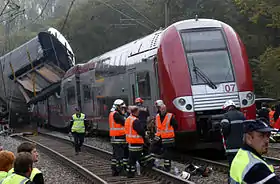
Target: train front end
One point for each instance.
(202, 64)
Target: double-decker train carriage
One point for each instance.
(195, 66)
(42, 61)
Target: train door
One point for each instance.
(132, 87)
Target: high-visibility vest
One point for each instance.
(164, 129)
(241, 165)
(15, 179)
(271, 118)
(3, 175)
(132, 136)
(115, 128)
(78, 123)
(33, 173)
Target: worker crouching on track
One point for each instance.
(36, 175)
(117, 134)
(6, 163)
(23, 167)
(248, 165)
(78, 129)
(165, 135)
(135, 134)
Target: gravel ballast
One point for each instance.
(54, 172)
(215, 177)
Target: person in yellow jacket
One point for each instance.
(248, 165)
(23, 167)
(6, 163)
(78, 129)
(36, 175)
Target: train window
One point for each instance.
(203, 40)
(143, 85)
(86, 90)
(71, 95)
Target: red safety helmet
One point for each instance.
(139, 100)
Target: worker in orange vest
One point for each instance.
(165, 135)
(135, 133)
(117, 134)
(271, 114)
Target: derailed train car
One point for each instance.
(38, 65)
(195, 66)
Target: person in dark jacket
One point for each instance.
(232, 124)
(144, 113)
(249, 166)
(264, 112)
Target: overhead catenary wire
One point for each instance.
(67, 15)
(140, 13)
(4, 8)
(110, 6)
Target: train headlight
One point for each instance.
(182, 101)
(249, 96)
(244, 102)
(246, 98)
(189, 107)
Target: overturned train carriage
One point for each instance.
(33, 71)
(195, 66)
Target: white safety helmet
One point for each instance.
(119, 102)
(228, 104)
(159, 103)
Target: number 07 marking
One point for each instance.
(230, 88)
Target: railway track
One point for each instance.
(93, 163)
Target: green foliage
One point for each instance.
(270, 71)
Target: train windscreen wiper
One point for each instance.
(203, 76)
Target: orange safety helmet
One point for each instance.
(139, 100)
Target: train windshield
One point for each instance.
(207, 50)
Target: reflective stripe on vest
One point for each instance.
(15, 179)
(164, 129)
(33, 173)
(115, 128)
(241, 165)
(78, 124)
(132, 136)
(232, 150)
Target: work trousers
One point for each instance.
(147, 159)
(230, 157)
(78, 140)
(135, 154)
(118, 158)
(163, 150)
(125, 157)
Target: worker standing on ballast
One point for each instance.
(248, 166)
(232, 125)
(117, 134)
(135, 134)
(78, 129)
(166, 125)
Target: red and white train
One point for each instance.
(194, 66)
